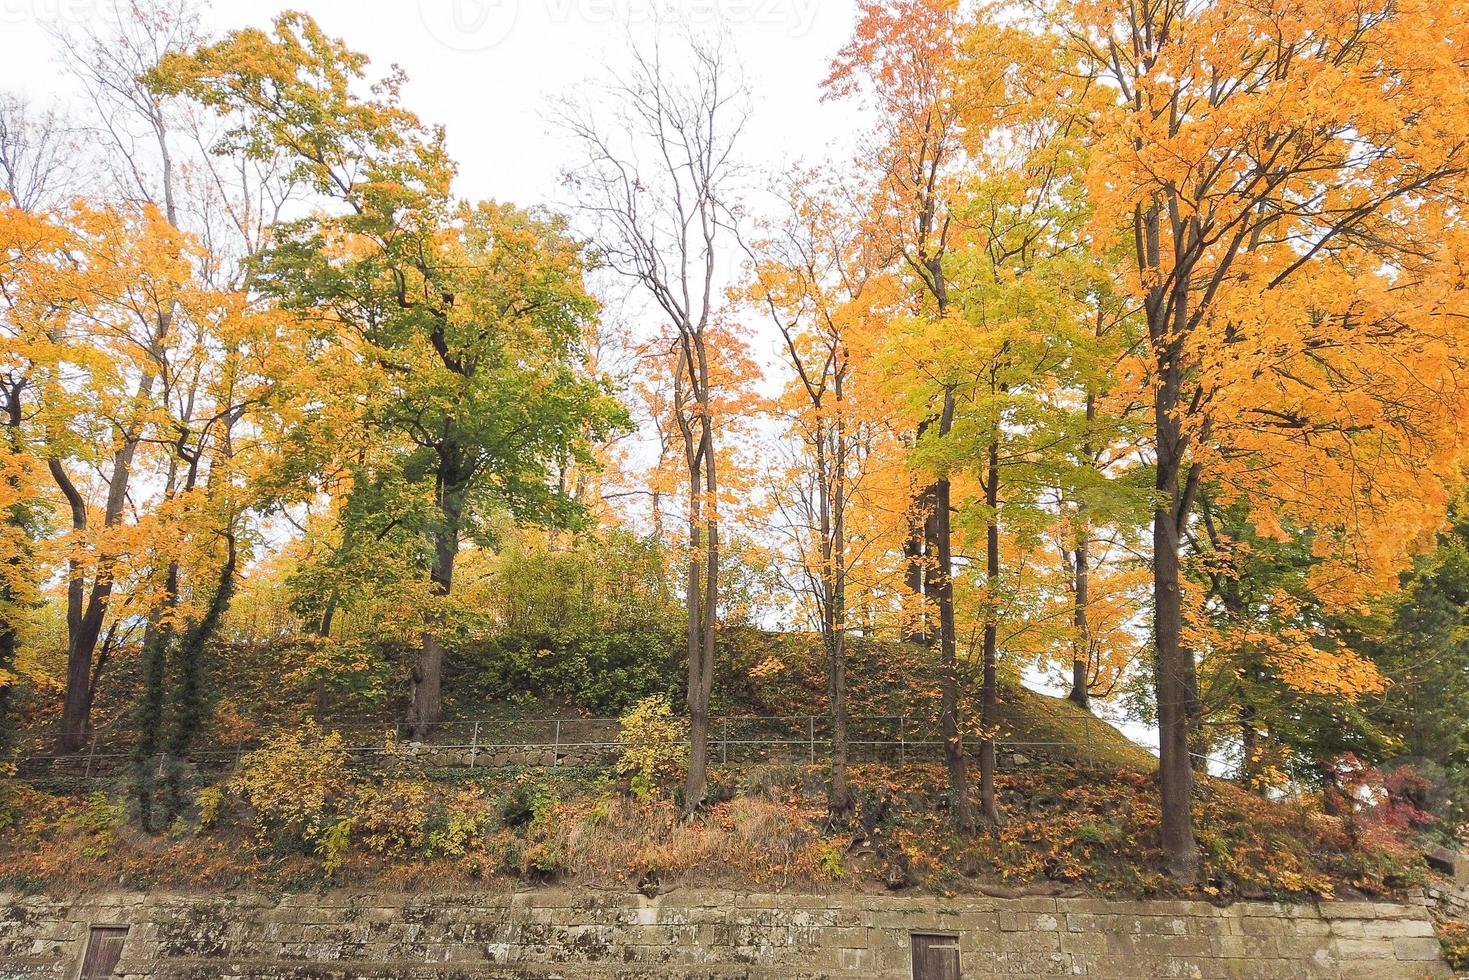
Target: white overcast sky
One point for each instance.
(488, 69)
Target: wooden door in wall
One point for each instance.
(104, 949)
(935, 956)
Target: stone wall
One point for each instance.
(1451, 902)
(585, 933)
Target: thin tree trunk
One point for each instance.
(990, 686)
(1081, 655)
(1081, 652)
(323, 634)
(916, 571)
(703, 579)
(918, 550)
(697, 782)
(839, 800)
(19, 558)
(157, 638)
(190, 714)
(1249, 767)
(961, 812)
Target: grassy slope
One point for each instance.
(1076, 735)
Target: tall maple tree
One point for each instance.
(902, 59)
(1284, 176)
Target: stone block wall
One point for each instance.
(579, 934)
(1451, 902)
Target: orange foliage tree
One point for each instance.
(1285, 178)
(828, 296)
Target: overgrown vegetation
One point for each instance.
(1071, 828)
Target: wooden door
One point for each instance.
(104, 949)
(935, 957)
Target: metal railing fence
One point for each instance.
(577, 741)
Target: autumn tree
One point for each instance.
(902, 58)
(812, 277)
(1100, 498)
(1284, 178)
(1416, 638)
(465, 321)
(1280, 677)
(138, 135)
(30, 245)
(657, 185)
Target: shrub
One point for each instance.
(390, 818)
(457, 825)
(209, 801)
(829, 860)
(99, 821)
(297, 784)
(1454, 938)
(601, 670)
(651, 746)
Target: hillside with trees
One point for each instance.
(814, 523)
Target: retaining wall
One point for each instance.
(581, 933)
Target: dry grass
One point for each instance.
(758, 838)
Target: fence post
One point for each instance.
(87, 774)
(724, 742)
(811, 735)
(556, 752)
(902, 743)
(474, 745)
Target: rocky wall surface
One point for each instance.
(581, 933)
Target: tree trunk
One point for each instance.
(157, 638)
(1198, 736)
(990, 684)
(961, 813)
(703, 600)
(1249, 768)
(17, 562)
(190, 714)
(324, 634)
(8, 648)
(1081, 656)
(832, 586)
(917, 568)
(696, 785)
(84, 626)
(1175, 773)
(1081, 585)
(839, 797)
(426, 705)
(918, 572)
